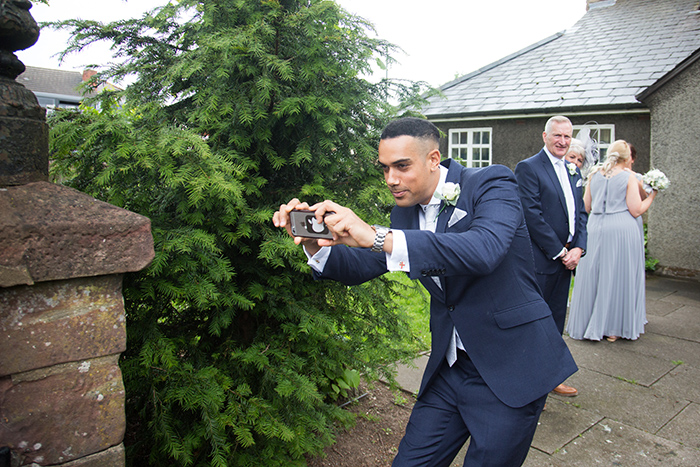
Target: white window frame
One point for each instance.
(595, 132)
(470, 146)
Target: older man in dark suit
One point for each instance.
(551, 192)
(496, 352)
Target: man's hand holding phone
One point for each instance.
(323, 224)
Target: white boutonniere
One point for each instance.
(450, 194)
(572, 169)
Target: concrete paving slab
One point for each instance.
(683, 323)
(618, 359)
(660, 308)
(667, 348)
(684, 428)
(409, 376)
(668, 285)
(638, 406)
(681, 383)
(539, 459)
(652, 294)
(560, 423)
(614, 443)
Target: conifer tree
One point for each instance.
(235, 354)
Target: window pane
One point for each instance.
(463, 154)
(485, 154)
(463, 138)
(455, 153)
(604, 136)
(455, 138)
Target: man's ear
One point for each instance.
(434, 158)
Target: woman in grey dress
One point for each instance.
(608, 297)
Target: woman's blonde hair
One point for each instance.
(619, 151)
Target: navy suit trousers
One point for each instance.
(555, 291)
(457, 406)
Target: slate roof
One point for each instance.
(51, 81)
(615, 51)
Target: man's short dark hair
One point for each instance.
(412, 126)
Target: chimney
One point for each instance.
(87, 74)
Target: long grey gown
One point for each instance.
(608, 297)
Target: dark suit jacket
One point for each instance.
(489, 292)
(545, 211)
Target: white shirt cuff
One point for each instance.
(318, 261)
(563, 250)
(397, 260)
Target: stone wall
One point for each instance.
(62, 257)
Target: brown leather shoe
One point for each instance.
(566, 391)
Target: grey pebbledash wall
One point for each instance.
(674, 217)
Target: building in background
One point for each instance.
(60, 88)
(628, 69)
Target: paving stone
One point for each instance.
(642, 407)
(560, 423)
(661, 308)
(409, 377)
(613, 359)
(614, 443)
(669, 348)
(539, 459)
(683, 323)
(680, 298)
(684, 428)
(681, 383)
(657, 294)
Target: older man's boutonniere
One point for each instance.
(450, 195)
(572, 169)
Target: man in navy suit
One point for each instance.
(496, 352)
(551, 192)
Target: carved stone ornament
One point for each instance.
(23, 131)
(18, 31)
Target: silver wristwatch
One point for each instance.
(379, 237)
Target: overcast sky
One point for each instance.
(441, 39)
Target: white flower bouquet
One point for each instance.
(656, 179)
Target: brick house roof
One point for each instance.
(617, 50)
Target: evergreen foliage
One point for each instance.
(235, 354)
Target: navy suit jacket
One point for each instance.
(488, 289)
(545, 210)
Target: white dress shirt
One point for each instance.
(563, 176)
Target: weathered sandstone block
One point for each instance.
(51, 232)
(64, 412)
(59, 322)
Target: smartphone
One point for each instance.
(304, 224)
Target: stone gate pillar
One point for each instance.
(62, 321)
